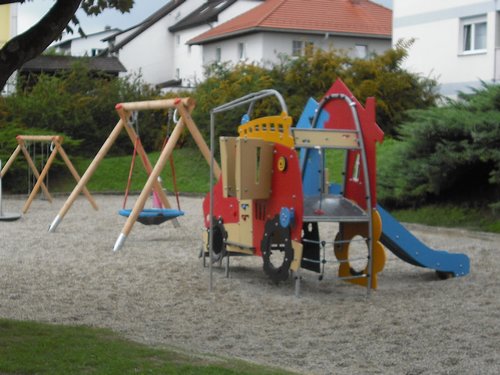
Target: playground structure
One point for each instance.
(184, 107)
(55, 142)
(274, 193)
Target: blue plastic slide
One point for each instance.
(407, 247)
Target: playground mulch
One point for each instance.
(155, 290)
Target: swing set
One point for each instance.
(162, 210)
(53, 143)
(157, 214)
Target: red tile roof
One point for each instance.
(359, 17)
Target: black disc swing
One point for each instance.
(157, 214)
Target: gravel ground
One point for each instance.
(155, 291)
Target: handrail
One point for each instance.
(252, 98)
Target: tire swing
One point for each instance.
(157, 214)
(277, 250)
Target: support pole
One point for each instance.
(34, 169)
(87, 175)
(10, 161)
(39, 180)
(200, 142)
(74, 173)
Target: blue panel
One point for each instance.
(310, 159)
(407, 247)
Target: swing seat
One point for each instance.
(153, 216)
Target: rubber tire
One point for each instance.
(276, 234)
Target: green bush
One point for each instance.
(311, 75)
(81, 105)
(447, 153)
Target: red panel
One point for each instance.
(341, 118)
(227, 208)
(286, 192)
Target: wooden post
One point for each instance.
(86, 176)
(39, 180)
(10, 161)
(33, 168)
(198, 138)
(75, 174)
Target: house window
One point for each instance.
(241, 51)
(361, 51)
(297, 48)
(178, 39)
(474, 35)
(300, 48)
(218, 54)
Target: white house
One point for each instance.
(188, 59)
(157, 46)
(89, 45)
(456, 41)
(286, 27)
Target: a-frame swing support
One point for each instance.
(56, 141)
(184, 107)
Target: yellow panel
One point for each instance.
(274, 129)
(254, 163)
(228, 164)
(325, 138)
(350, 230)
(297, 256)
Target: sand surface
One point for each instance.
(155, 291)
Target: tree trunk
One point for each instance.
(34, 41)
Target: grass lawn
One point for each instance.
(192, 175)
(36, 348)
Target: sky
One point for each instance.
(30, 12)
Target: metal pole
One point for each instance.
(211, 219)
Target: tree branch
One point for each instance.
(34, 41)
(3, 2)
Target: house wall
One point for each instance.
(438, 49)
(188, 60)
(267, 47)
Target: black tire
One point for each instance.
(277, 242)
(219, 240)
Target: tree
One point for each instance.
(447, 153)
(34, 41)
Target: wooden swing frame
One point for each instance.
(184, 107)
(55, 140)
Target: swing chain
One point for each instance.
(134, 121)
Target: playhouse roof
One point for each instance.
(340, 17)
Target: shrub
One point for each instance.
(311, 75)
(82, 106)
(447, 153)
